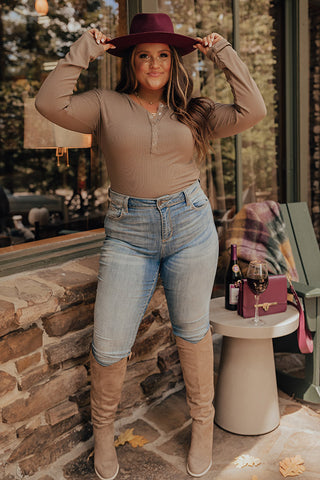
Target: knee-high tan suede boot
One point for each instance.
(106, 386)
(197, 368)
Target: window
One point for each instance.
(39, 198)
(258, 40)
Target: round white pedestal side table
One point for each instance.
(246, 397)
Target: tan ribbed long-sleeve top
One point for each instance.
(146, 156)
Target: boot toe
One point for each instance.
(107, 475)
(105, 456)
(198, 468)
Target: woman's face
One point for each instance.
(152, 63)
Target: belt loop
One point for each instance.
(187, 197)
(125, 203)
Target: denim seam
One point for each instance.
(144, 307)
(170, 226)
(165, 239)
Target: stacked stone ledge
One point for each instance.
(46, 322)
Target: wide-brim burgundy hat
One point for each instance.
(152, 28)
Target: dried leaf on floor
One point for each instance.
(138, 441)
(90, 455)
(128, 436)
(246, 461)
(292, 467)
(124, 437)
(254, 477)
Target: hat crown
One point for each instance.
(151, 22)
(152, 28)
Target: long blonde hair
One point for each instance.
(194, 112)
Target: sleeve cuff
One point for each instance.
(223, 43)
(95, 49)
(83, 51)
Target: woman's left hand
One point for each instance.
(101, 38)
(207, 42)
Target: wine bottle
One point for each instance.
(232, 281)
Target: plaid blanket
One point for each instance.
(259, 232)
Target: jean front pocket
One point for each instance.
(199, 200)
(114, 211)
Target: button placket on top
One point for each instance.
(154, 122)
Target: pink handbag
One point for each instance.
(273, 300)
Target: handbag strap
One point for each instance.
(305, 340)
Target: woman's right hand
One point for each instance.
(101, 38)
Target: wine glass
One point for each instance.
(257, 278)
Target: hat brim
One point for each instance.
(183, 44)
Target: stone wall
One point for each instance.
(46, 321)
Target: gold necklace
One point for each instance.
(153, 114)
(147, 101)
(141, 98)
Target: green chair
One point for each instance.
(306, 253)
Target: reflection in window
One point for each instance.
(39, 198)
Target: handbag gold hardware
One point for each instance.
(266, 306)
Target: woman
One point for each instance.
(159, 220)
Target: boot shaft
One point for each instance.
(106, 387)
(197, 368)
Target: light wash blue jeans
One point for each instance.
(173, 235)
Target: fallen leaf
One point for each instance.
(138, 441)
(128, 436)
(90, 455)
(292, 467)
(124, 437)
(254, 477)
(246, 461)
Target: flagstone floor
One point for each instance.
(166, 426)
